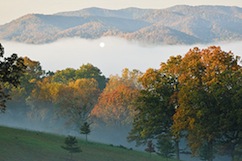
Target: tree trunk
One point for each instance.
(71, 156)
(177, 150)
(233, 152)
(210, 148)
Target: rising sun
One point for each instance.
(102, 44)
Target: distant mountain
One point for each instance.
(176, 25)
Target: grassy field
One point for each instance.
(22, 145)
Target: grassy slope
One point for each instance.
(21, 145)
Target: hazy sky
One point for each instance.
(111, 59)
(12, 9)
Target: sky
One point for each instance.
(13, 9)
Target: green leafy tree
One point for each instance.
(64, 76)
(85, 129)
(171, 69)
(33, 73)
(11, 69)
(87, 71)
(229, 93)
(90, 71)
(71, 145)
(154, 107)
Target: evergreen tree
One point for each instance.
(71, 145)
(85, 129)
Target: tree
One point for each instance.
(77, 99)
(150, 147)
(33, 73)
(171, 69)
(89, 71)
(11, 69)
(154, 107)
(71, 145)
(64, 76)
(114, 106)
(229, 96)
(85, 129)
(42, 99)
(205, 98)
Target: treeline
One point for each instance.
(197, 97)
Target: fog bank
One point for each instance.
(110, 55)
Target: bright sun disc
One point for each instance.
(102, 44)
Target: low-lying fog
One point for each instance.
(110, 55)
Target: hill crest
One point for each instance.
(180, 24)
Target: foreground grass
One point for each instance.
(22, 145)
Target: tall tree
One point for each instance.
(229, 96)
(171, 69)
(11, 69)
(154, 107)
(201, 109)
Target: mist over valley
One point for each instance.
(111, 59)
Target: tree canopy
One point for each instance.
(196, 97)
(208, 84)
(11, 69)
(114, 105)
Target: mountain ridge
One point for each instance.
(181, 24)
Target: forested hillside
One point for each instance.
(174, 25)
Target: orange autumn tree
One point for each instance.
(208, 82)
(115, 102)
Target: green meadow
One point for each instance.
(24, 145)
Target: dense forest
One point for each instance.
(196, 97)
